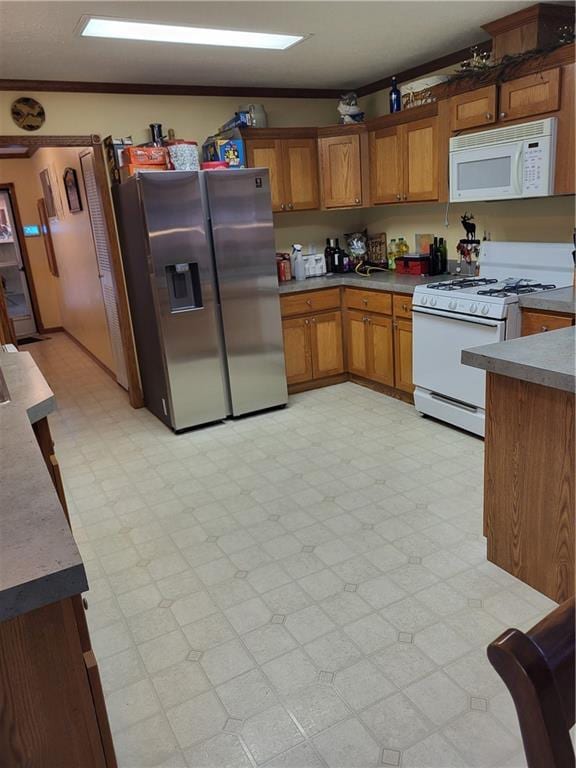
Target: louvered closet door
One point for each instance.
(102, 246)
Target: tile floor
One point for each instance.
(301, 589)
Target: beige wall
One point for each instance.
(81, 302)
(27, 186)
(192, 117)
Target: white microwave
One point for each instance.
(504, 163)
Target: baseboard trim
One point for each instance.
(91, 355)
(384, 389)
(304, 386)
(54, 329)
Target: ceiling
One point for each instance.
(350, 43)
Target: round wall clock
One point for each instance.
(28, 113)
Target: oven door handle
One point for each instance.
(453, 316)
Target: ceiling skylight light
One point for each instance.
(122, 29)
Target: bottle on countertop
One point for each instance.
(329, 254)
(337, 260)
(395, 97)
(392, 245)
(443, 255)
(434, 258)
(299, 266)
(296, 249)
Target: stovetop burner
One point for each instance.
(463, 282)
(516, 289)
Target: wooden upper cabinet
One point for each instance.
(340, 171)
(530, 95)
(473, 108)
(420, 160)
(326, 343)
(300, 159)
(267, 153)
(385, 166)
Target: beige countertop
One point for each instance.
(559, 300)
(380, 281)
(543, 358)
(39, 560)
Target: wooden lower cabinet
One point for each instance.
(369, 344)
(326, 345)
(370, 339)
(313, 347)
(297, 352)
(380, 349)
(540, 322)
(403, 355)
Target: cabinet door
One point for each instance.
(326, 343)
(473, 108)
(385, 166)
(356, 345)
(403, 355)
(380, 350)
(301, 174)
(340, 171)
(297, 352)
(267, 153)
(530, 95)
(540, 322)
(420, 160)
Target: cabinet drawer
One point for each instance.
(402, 305)
(539, 322)
(310, 301)
(371, 301)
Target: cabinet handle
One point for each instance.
(405, 307)
(489, 115)
(85, 603)
(405, 197)
(290, 206)
(309, 302)
(365, 302)
(357, 200)
(398, 197)
(503, 114)
(544, 328)
(282, 206)
(306, 322)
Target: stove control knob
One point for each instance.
(485, 309)
(452, 304)
(424, 300)
(473, 308)
(432, 302)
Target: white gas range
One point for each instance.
(467, 312)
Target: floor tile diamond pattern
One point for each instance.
(305, 588)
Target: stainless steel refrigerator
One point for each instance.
(199, 259)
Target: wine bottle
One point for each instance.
(395, 97)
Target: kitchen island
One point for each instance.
(53, 711)
(529, 457)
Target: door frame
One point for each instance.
(9, 187)
(94, 141)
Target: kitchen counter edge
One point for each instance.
(39, 560)
(547, 359)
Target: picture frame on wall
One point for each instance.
(48, 193)
(72, 190)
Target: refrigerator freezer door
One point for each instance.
(243, 238)
(186, 297)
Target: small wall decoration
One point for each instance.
(28, 113)
(72, 190)
(48, 194)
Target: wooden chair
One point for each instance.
(538, 669)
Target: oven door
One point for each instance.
(487, 173)
(439, 338)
